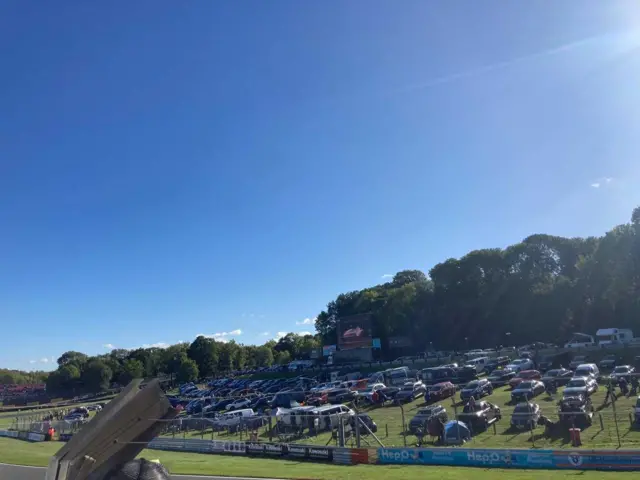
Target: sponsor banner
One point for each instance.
(35, 437)
(237, 448)
(464, 457)
(320, 453)
(597, 459)
(328, 350)
(289, 450)
(549, 459)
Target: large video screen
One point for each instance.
(354, 331)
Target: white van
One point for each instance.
(587, 370)
(478, 363)
(233, 418)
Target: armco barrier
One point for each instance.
(9, 433)
(342, 456)
(548, 459)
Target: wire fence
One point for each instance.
(391, 424)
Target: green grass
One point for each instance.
(38, 454)
(390, 430)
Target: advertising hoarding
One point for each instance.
(354, 331)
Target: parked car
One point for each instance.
(560, 376)
(476, 389)
(608, 362)
(410, 391)
(340, 395)
(576, 410)
(580, 386)
(587, 370)
(578, 360)
(526, 416)
(317, 399)
(622, 371)
(238, 404)
(440, 391)
(480, 415)
(520, 364)
(424, 415)
(527, 390)
(524, 375)
(500, 378)
(496, 363)
(366, 420)
(367, 393)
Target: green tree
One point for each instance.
(204, 352)
(96, 376)
(187, 371)
(131, 369)
(264, 356)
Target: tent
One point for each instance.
(456, 432)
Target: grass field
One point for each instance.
(391, 432)
(23, 453)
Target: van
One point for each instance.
(587, 370)
(478, 363)
(234, 418)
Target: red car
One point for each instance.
(440, 391)
(524, 375)
(317, 399)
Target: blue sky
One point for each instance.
(169, 169)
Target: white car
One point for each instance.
(238, 404)
(367, 393)
(520, 364)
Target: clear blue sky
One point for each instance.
(175, 168)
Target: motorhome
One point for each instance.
(580, 340)
(613, 336)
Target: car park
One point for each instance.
(578, 360)
(238, 404)
(587, 370)
(581, 386)
(622, 371)
(520, 364)
(527, 390)
(424, 415)
(367, 393)
(340, 395)
(560, 376)
(480, 415)
(576, 410)
(476, 389)
(525, 416)
(500, 378)
(608, 362)
(410, 391)
(495, 363)
(440, 391)
(524, 375)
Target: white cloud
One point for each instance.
(387, 275)
(222, 336)
(265, 334)
(307, 321)
(155, 345)
(44, 360)
(109, 346)
(602, 182)
(32, 362)
(279, 335)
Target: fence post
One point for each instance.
(601, 422)
(270, 429)
(615, 419)
(357, 428)
(386, 430)
(404, 427)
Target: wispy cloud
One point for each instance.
(602, 182)
(109, 346)
(155, 345)
(32, 361)
(222, 336)
(44, 360)
(265, 334)
(387, 275)
(307, 321)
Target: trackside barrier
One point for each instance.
(487, 458)
(546, 459)
(9, 433)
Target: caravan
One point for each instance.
(608, 337)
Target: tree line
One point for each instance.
(185, 362)
(18, 377)
(541, 289)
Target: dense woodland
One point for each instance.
(542, 288)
